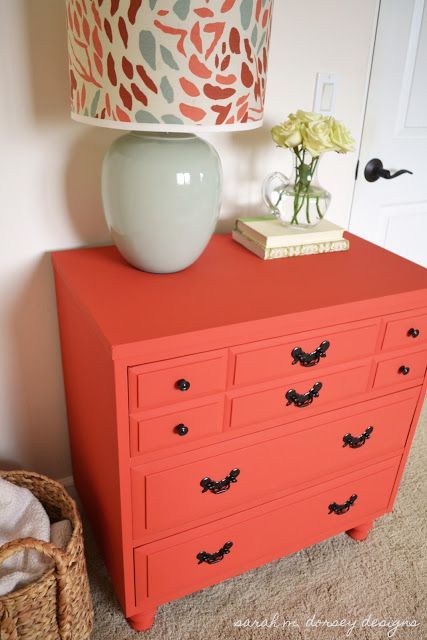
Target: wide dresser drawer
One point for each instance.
(176, 568)
(288, 400)
(232, 480)
(286, 356)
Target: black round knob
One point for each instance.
(404, 370)
(182, 385)
(181, 429)
(413, 333)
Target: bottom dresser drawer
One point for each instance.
(167, 570)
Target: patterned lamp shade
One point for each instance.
(169, 65)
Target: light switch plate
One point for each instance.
(325, 93)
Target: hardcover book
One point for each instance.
(268, 232)
(309, 248)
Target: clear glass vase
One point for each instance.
(299, 200)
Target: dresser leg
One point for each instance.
(143, 621)
(360, 532)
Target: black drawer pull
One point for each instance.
(404, 370)
(355, 442)
(182, 385)
(303, 399)
(339, 509)
(213, 558)
(222, 485)
(310, 359)
(181, 429)
(413, 333)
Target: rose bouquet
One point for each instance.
(308, 135)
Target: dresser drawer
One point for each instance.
(406, 332)
(171, 381)
(175, 496)
(180, 426)
(284, 356)
(272, 403)
(406, 368)
(175, 570)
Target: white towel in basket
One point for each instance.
(21, 516)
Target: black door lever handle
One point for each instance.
(375, 170)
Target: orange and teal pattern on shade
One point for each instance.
(160, 63)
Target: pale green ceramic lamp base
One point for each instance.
(162, 196)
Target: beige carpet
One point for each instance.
(339, 579)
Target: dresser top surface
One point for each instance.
(227, 285)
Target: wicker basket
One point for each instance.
(58, 605)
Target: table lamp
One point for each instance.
(165, 71)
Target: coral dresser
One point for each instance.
(238, 411)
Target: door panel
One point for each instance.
(393, 213)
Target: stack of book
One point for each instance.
(268, 238)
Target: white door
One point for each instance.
(393, 212)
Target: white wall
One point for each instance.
(49, 184)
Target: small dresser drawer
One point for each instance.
(403, 369)
(275, 402)
(405, 332)
(171, 381)
(288, 356)
(177, 428)
(176, 496)
(181, 568)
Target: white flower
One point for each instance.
(313, 132)
(306, 117)
(317, 137)
(341, 137)
(287, 134)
